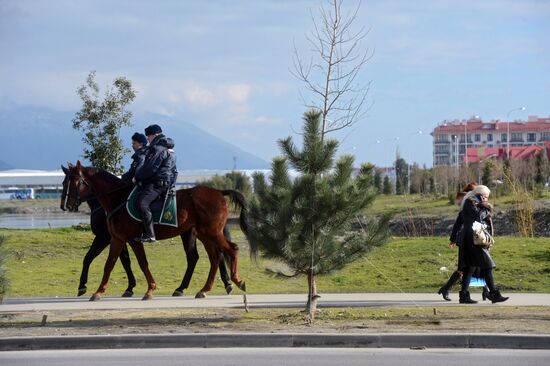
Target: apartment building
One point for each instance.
(452, 139)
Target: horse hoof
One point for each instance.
(81, 291)
(242, 286)
(95, 297)
(128, 293)
(229, 289)
(147, 297)
(200, 295)
(177, 293)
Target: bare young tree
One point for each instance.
(331, 74)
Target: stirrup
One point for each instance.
(145, 239)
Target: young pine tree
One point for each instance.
(378, 180)
(387, 189)
(307, 223)
(401, 176)
(541, 172)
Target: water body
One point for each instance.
(41, 221)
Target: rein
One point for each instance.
(91, 195)
(118, 208)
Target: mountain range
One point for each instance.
(40, 138)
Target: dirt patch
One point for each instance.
(334, 320)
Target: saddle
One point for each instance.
(164, 208)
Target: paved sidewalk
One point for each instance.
(261, 301)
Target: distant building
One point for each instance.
(475, 154)
(456, 141)
(28, 184)
(25, 184)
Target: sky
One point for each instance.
(226, 65)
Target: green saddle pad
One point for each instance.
(165, 214)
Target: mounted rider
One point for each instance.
(139, 145)
(155, 177)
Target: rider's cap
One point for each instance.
(152, 129)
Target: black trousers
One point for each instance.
(147, 194)
(486, 274)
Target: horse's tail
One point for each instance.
(239, 201)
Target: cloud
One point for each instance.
(199, 96)
(238, 93)
(265, 120)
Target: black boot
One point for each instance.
(485, 293)
(495, 296)
(444, 290)
(465, 298)
(148, 235)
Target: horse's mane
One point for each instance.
(109, 177)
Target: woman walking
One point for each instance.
(476, 208)
(454, 240)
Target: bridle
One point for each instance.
(83, 182)
(79, 200)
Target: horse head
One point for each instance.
(76, 188)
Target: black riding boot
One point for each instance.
(495, 296)
(465, 298)
(148, 235)
(444, 290)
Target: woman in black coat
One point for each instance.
(455, 240)
(476, 207)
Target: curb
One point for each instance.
(259, 340)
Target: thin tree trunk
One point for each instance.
(311, 306)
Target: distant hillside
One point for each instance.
(5, 166)
(38, 138)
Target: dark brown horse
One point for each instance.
(102, 238)
(200, 208)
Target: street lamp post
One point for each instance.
(466, 140)
(508, 129)
(466, 143)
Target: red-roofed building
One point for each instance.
(477, 154)
(452, 139)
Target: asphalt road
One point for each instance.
(278, 356)
(261, 301)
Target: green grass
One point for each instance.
(47, 262)
(404, 205)
(416, 204)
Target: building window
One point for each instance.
(478, 137)
(441, 138)
(489, 137)
(531, 137)
(517, 137)
(545, 136)
(441, 160)
(441, 149)
(503, 137)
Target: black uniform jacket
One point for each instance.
(159, 166)
(137, 161)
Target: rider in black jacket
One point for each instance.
(155, 177)
(139, 144)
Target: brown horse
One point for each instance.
(102, 238)
(201, 208)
